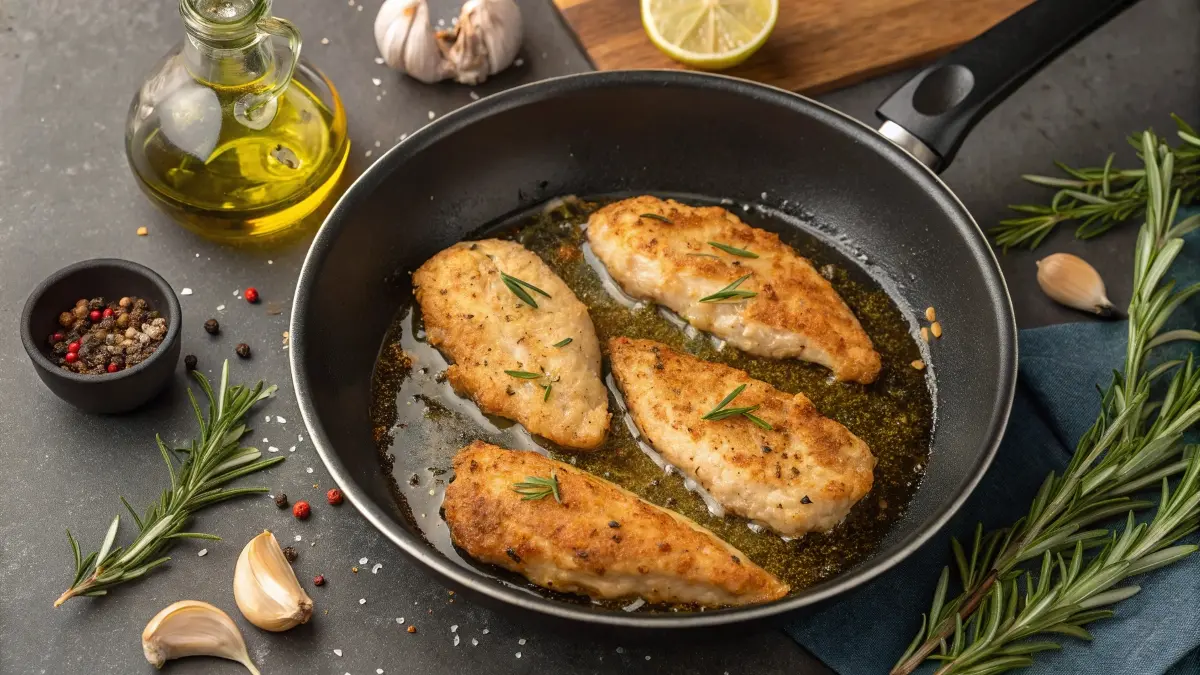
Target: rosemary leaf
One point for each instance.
(194, 484)
(740, 252)
(523, 374)
(564, 342)
(721, 412)
(730, 291)
(655, 216)
(546, 396)
(515, 287)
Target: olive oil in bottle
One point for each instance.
(230, 140)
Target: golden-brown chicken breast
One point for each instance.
(521, 343)
(586, 535)
(679, 256)
(802, 475)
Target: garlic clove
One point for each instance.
(1071, 281)
(266, 589)
(194, 628)
(407, 42)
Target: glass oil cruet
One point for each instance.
(229, 137)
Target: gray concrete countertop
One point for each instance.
(68, 70)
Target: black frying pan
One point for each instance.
(680, 132)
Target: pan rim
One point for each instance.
(446, 569)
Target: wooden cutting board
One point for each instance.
(816, 45)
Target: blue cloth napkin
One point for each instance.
(1155, 632)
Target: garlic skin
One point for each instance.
(486, 39)
(265, 587)
(407, 42)
(194, 628)
(1071, 281)
(484, 42)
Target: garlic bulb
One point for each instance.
(194, 628)
(484, 42)
(1069, 280)
(265, 587)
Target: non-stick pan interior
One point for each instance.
(666, 133)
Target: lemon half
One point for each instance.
(709, 34)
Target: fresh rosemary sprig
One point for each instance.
(730, 291)
(731, 250)
(1099, 198)
(721, 412)
(536, 487)
(1134, 446)
(209, 462)
(515, 285)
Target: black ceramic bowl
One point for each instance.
(111, 278)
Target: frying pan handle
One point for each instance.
(932, 113)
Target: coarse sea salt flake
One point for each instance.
(474, 642)
(456, 640)
(202, 552)
(220, 308)
(338, 652)
(309, 469)
(298, 537)
(186, 291)
(272, 449)
(375, 569)
(379, 60)
(454, 628)
(362, 601)
(362, 561)
(280, 420)
(292, 449)
(521, 642)
(376, 81)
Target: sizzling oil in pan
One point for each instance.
(419, 422)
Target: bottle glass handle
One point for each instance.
(258, 109)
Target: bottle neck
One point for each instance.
(223, 46)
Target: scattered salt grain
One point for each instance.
(474, 96)
(362, 601)
(518, 655)
(485, 631)
(300, 437)
(647, 657)
(220, 308)
(432, 114)
(521, 642)
(280, 419)
(197, 255)
(360, 8)
(186, 291)
(377, 144)
(403, 136)
(379, 671)
(292, 449)
(379, 60)
(376, 81)
(474, 642)
(441, 22)
(454, 628)
(379, 97)
(202, 552)
(620, 650)
(400, 620)
(309, 469)
(235, 293)
(338, 652)
(265, 440)
(362, 561)
(266, 418)
(367, 153)
(270, 262)
(376, 567)
(272, 449)
(456, 640)
(324, 41)
(519, 62)
(764, 195)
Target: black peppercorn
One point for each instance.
(289, 552)
(243, 350)
(281, 500)
(212, 327)
(189, 362)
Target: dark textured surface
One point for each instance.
(67, 72)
